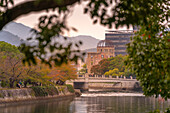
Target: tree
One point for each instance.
(11, 67)
(63, 72)
(83, 70)
(35, 74)
(117, 62)
(114, 72)
(149, 58)
(101, 67)
(96, 70)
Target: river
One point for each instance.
(93, 103)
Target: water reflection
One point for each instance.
(118, 104)
(94, 104)
(40, 107)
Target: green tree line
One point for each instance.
(112, 66)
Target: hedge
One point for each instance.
(70, 88)
(45, 90)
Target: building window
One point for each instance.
(101, 50)
(102, 56)
(106, 50)
(111, 50)
(91, 56)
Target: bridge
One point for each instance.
(106, 83)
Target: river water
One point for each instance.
(93, 103)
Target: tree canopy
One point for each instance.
(112, 66)
(12, 70)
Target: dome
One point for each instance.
(105, 43)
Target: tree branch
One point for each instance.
(32, 6)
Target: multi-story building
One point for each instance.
(105, 49)
(119, 40)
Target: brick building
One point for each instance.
(105, 49)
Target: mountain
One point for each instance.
(21, 31)
(9, 38)
(88, 41)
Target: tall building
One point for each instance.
(105, 49)
(119, 40)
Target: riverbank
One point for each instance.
(36, 94)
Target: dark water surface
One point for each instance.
(92, 104)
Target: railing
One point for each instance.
(105, 77)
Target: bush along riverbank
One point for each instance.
(35, 93)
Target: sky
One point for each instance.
(80, 21)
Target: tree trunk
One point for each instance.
(11, 83)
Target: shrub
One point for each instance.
(45, 90)
(39, 91)
(52, 90)
(3, 83)
(70, 88)
(1, 96)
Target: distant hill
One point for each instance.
(9, 38)
(88, 41)
(20, 31)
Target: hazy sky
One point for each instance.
(78, 20)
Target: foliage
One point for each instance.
(40, 91)
(128, 73)
(112, 66)
(149, 58)
(37, 73)
(12, 70)
(63, 72)
(101, 67)
(45, 90)
(83, 70)
(70, 88)
(158, 111)
(117, 62)
(114, 72)
(10, 63)
(3, 83)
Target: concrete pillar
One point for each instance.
(86, 77)
(131, 77)
(124, 77)
(110, 76)
(117, 77)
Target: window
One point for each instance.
(102, 56)
(91, 56)
(106, 50)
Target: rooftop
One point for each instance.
(105, 43)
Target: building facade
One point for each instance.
(105, 49)
(119, 40)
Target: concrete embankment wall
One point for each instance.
(11, 96)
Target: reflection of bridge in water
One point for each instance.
(104, 83)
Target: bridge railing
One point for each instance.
(105, 76)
